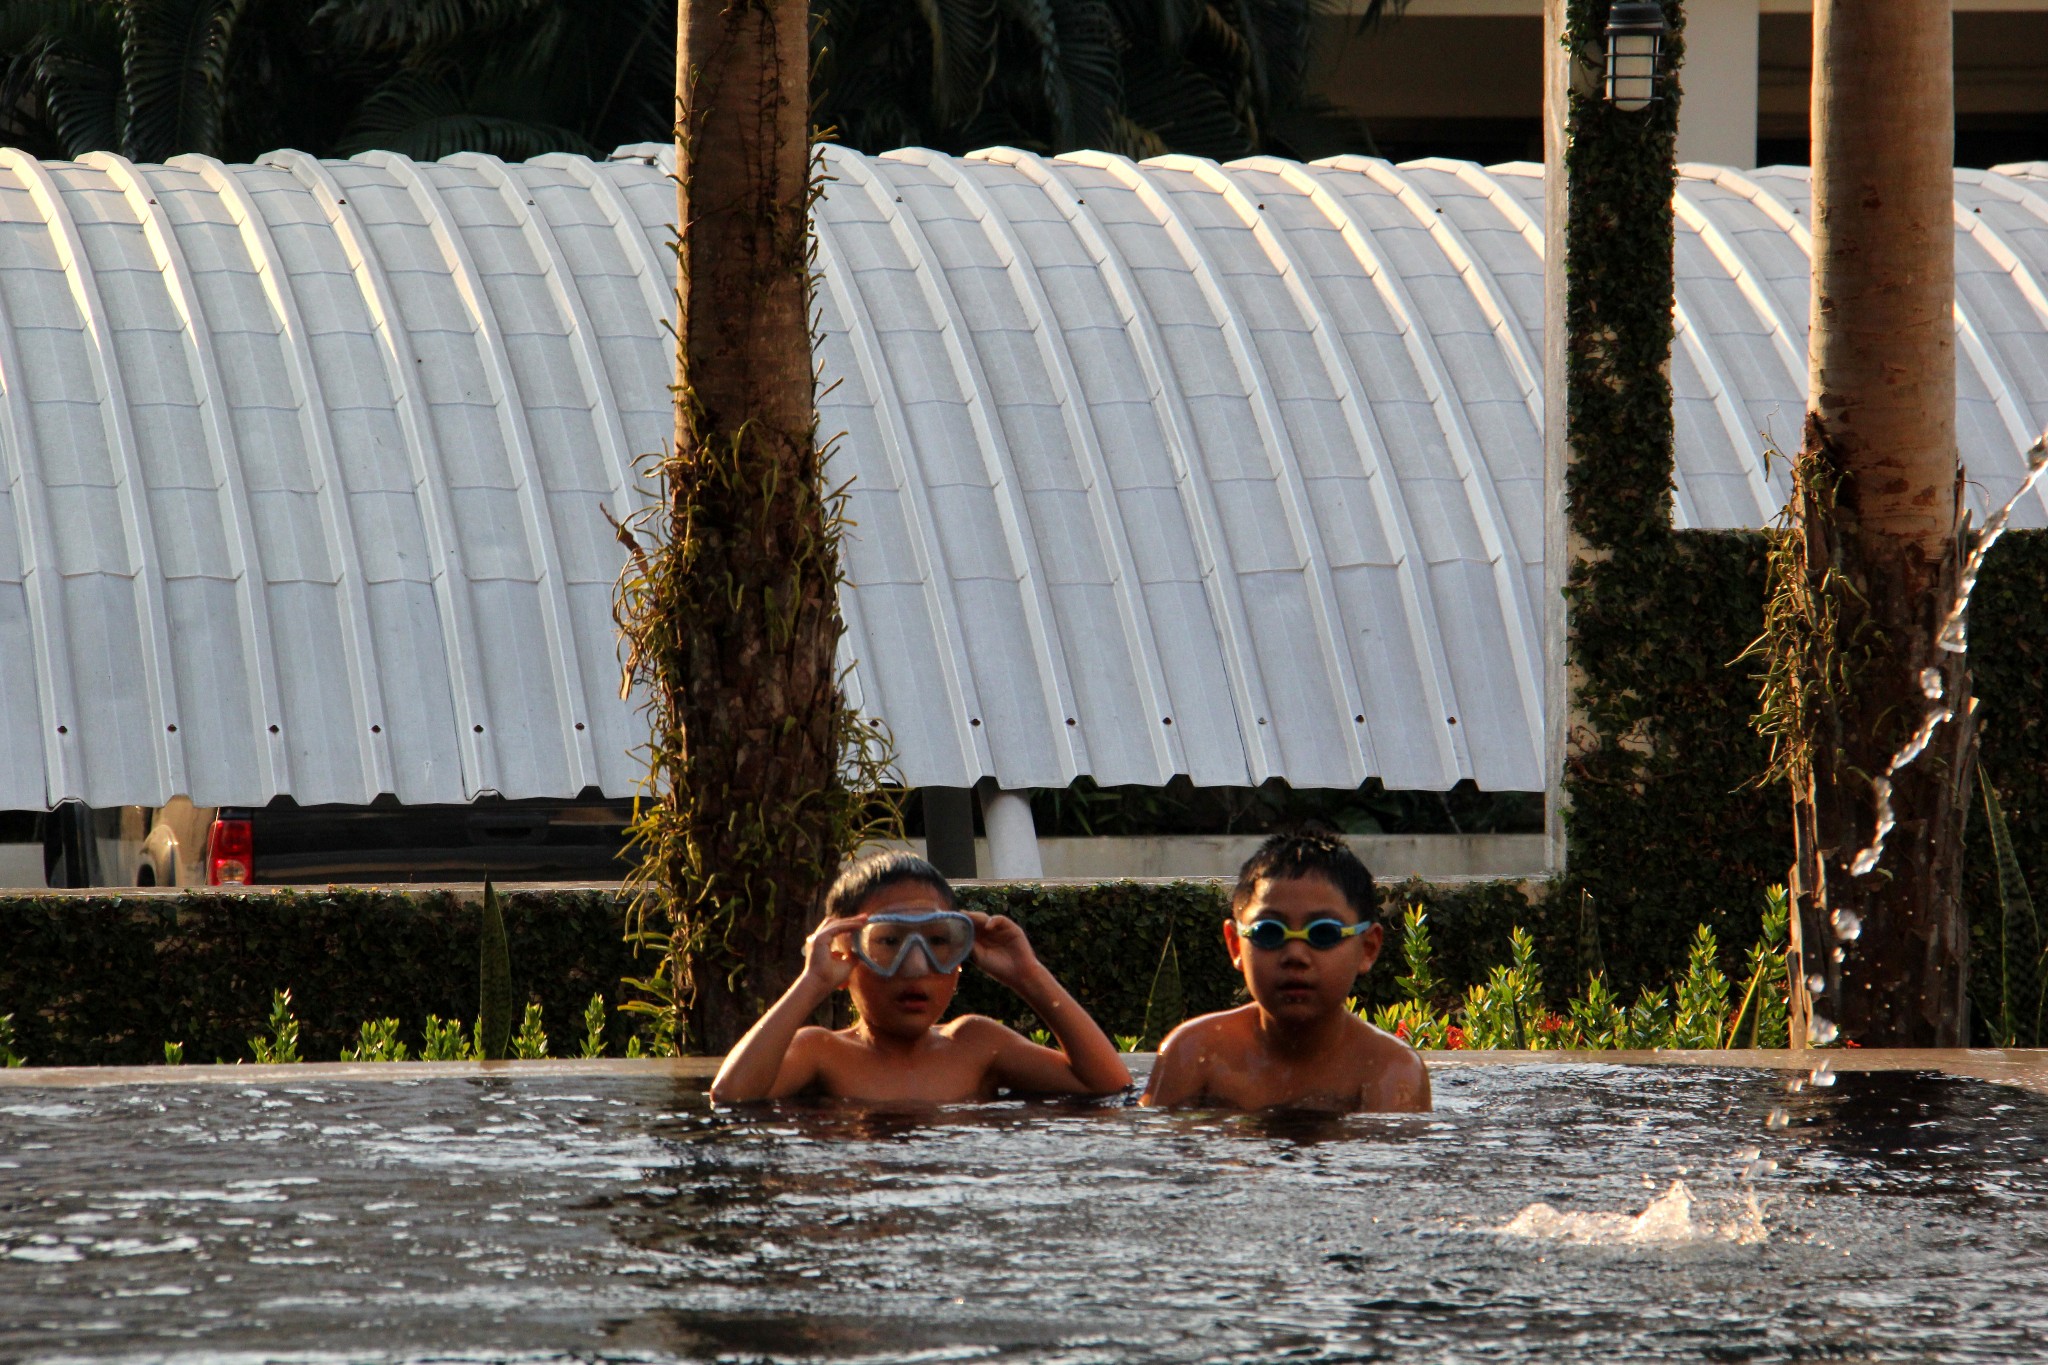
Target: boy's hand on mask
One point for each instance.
(1001, 949)
(828, 952)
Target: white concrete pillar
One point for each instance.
(1717, 116)
(1012, 837)
(1559, 69)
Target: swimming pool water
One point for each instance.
(1902, 1217)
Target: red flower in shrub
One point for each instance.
(1549, 1023)
(1454, 1036)
(1850, 1042)
(1401, 1030)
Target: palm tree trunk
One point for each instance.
(749, 682)
(1877, 499)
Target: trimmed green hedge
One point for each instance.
(101, 980)
(106, 980)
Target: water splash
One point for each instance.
(1668, 1219)
(1952, 638)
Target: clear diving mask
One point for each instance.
(890, 939)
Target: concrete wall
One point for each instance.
(1464, 78)
(1439, 857)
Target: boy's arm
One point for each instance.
(771, 1061)
(1085, 1061)
(1177, 1076)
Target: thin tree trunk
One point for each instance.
(1877, 498)
(752, 684)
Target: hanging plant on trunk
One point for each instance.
(760, 774)
(1867, 704)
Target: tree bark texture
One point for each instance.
(1877, 507)
(751, 682)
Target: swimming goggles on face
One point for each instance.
(892, 938)
(1320, 934)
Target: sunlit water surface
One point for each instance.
(1898, 1217)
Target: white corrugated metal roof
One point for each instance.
(1231, 471)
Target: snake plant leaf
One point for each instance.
(2019, 933)
(1167, 1005)
(494, 982)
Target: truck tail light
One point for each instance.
(231, 851)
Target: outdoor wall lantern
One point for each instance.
(1635, 54)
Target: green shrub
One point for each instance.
(531, 1042)
(280, 1046)
(445, 1041)
(8, 1056)
(1510, 1008)
(593, 1027)
(376, 1041)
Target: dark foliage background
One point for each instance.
(151, 79)
(107, 980)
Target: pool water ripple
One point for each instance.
(1897, 1217)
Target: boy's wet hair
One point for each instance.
(1298, 853)
(864, 877)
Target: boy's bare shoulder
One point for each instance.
(1399, 1079)
(1225, 1030)
(978, 1030)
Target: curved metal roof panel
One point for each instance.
(1158, 468)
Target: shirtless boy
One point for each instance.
(893, 937)
(1302, 928)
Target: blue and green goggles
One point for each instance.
(1319, 934)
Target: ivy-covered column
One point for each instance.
(1609, 178)
(1658, 832)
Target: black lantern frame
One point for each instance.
(1635, 54)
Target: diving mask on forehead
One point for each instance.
(892, 938)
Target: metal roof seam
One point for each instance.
(1478, 279)
(1261, 750)
(590, 367)
(1338, 661)
(1743, 272)
(166, 750)
(476, 760)
(564, 663)
(56, 695)
(1146, 348)
(1517, 616)
(941, 611)
(357, 645)
(1000, 463)
(1474, 274)
(1369, 441)
(2016, 267)
(655, 284)
(1139, 646)
(224, 451)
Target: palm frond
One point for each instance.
(427, 116)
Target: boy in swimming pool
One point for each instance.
(1303, 927)
(895, 939)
